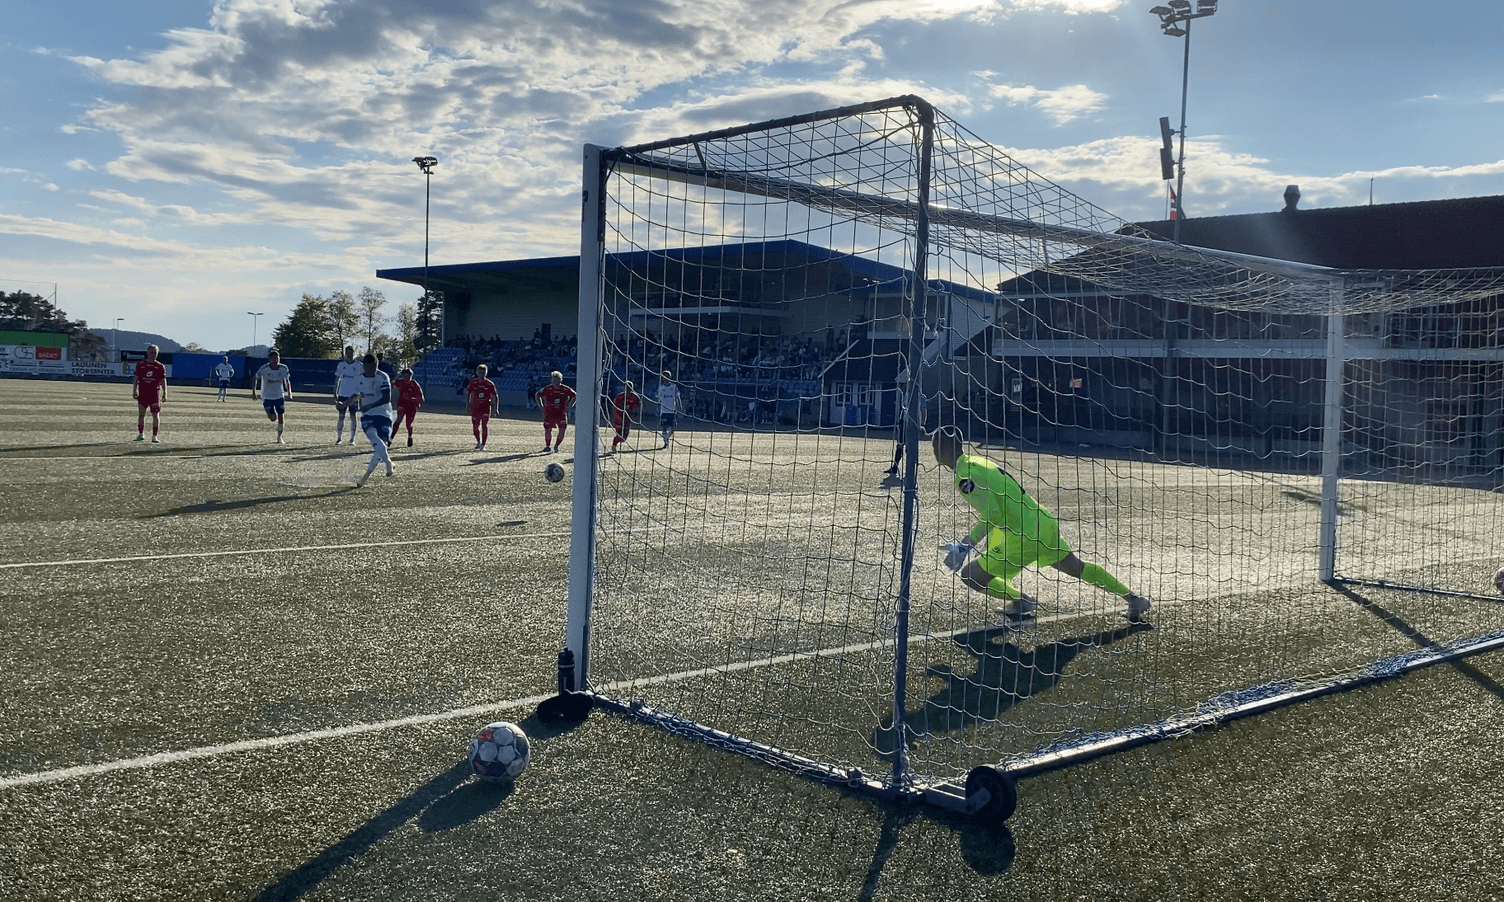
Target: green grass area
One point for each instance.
(343, 644)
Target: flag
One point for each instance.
(1174, 204)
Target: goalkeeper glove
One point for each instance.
(956, 554)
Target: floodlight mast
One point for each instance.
(1171, 19)
(425, 163)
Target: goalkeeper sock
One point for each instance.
(1002, 588)
(1095, 575)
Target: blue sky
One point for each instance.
(180, 163)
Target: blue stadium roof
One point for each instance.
(559, 272)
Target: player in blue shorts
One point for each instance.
(275, 383)
(345, 374)
(372, 392)
(224, 372)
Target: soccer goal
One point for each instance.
(1289, 461)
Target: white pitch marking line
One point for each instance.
(194, 554)
(271, 742)
(252, 745)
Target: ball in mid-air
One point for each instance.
(553, 472)
(1499, 580)
(499, 752)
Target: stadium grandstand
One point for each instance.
(806, 334)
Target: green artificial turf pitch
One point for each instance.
(229, 674)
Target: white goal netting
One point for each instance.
(1271, 452)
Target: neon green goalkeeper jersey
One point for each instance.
(1000, 501)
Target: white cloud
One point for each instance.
(294, 121)
(1061, 105)
(1072, 7)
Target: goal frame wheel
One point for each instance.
(1002, 790)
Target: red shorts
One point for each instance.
(406, 413)
(480, 416)
(152, 404)
(556, 419)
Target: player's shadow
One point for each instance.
(400, 453)
(352, 454)
(1005, 675)
(214, 507)
(245, 452)
(499, 459)
(11, 449)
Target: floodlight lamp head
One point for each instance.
(426, 164)
(1173, 30)
(1206, 7)
(1180, 6)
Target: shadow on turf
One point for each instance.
(448, 800)
(1005, 675)
(987, 849)
(500, 459)
(210, 507)
(1420, 639)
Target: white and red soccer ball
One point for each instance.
(499, 752)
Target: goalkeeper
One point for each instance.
(1019, 532)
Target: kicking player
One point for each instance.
(1019, 532)
(275, 383)
(482, 398)
(409, 399)
(149, 388)
(372, 390)
(224, 372)
(669, 399)
(345, 374)
(555, 399)
(625, 410)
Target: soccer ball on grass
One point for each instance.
(553, 472)
(499, 752)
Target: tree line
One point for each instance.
(23, 311)
(321, 327)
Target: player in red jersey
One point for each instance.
(481, 393)
(555, 400)
(626, 409)
(409, 399)
(149, 388)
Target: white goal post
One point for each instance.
(1256, 445)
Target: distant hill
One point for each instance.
(126, 340)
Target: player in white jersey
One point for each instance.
(372, 391)
(275, 383)
(345, 374)
(669, 399)
(224, 372)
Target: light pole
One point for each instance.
(426, 164)
(255, 321)
(1171, 19)
(115, 337)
